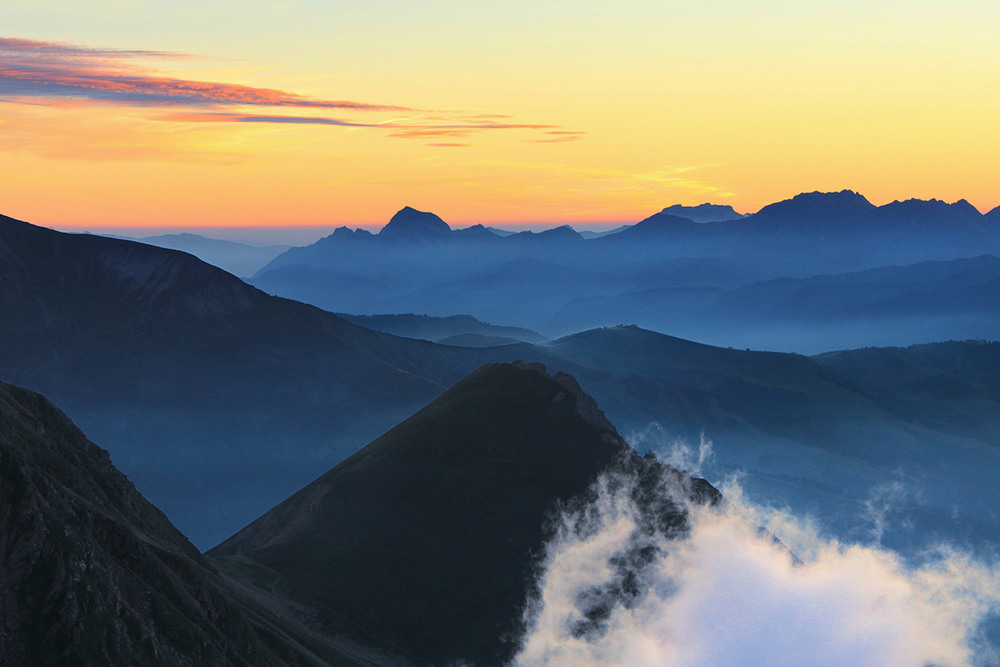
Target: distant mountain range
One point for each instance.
(548, 281)
(219, 400)
(927, 301)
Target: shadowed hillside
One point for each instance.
(427, 539)
(92, 574)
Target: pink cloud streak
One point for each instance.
(55, 74)
(35, 69)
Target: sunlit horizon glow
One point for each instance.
(129, 115)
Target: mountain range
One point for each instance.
(928, 301)
(218, 400)
(417, 263)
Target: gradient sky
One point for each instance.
(303, 112)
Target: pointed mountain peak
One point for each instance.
(411, 224)
(434, 528)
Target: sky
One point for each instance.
(131, 113)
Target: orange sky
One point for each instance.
(303, 113)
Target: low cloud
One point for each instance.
(728, 594)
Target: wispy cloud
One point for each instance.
(57, 75)
(50, 70)
(223, 117)
(559, 136)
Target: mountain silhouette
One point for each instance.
(93, 574)
(409, 225)
(427, 539)
(809, 234)
(826, 209)
(126, 335)
(703, 212)
(663, 225)
(218, 400)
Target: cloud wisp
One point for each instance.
(57, 74)
(40, 70)
(728, 594)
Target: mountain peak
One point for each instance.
(703, 212)
(434, 529)
(845, 200)
(410, 224)
(841, 207)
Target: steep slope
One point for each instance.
(426, 539)
(215, 398)
(92, 574)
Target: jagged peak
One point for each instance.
(961, 207)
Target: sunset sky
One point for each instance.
(312, 112)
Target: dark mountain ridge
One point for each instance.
(434, 529)
(127, 336)
(92, 574)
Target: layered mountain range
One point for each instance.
(218, 400)
(710, 275)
